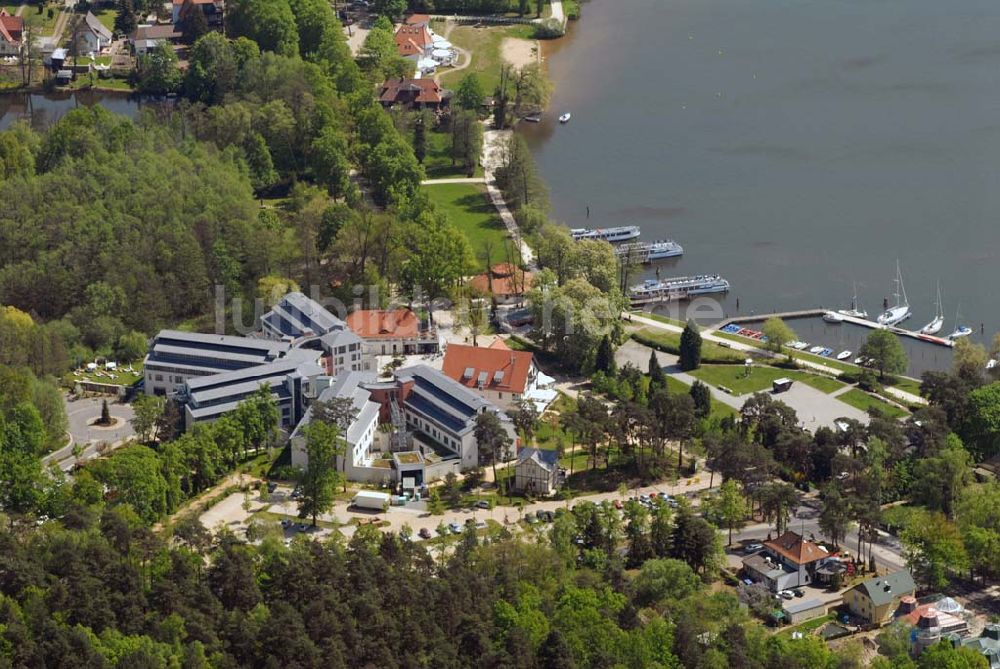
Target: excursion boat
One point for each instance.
(855, 311)
(618, 234)
(833, 317)
(565, 117)
(647, 252)
(843, 355)
(678, 288)
(901, 311)
(935, 325)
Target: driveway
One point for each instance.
(80, 414)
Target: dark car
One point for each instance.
(271, 487)
(424, 533)
(798, 592)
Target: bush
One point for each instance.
(549, 29)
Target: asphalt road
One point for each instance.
(81, 413)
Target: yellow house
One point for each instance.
(875, 600)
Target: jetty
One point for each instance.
(863, 322)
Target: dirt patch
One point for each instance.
(519, 52)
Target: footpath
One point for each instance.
(493, 143)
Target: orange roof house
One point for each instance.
(494, 369)
(384, 324)
(503, 281)
(797, 550)
(413, 40)
(11, 29)
(418, 19)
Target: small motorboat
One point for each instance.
(991, 363)
(860, 360)
(534, 118)
(565, 117)
(843, 355)
(801, 346)
(816, 349)
(833, 317)
(826, 352)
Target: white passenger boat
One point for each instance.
(679, 288)
(647, 252)
(622, 233)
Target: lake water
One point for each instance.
(794, 146)
(43, 109)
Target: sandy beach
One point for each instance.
(519, 52)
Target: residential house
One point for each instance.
(504, 283)
(393, 332)
(415, 93)
(786, 562)
(496, 372)
(212, 9)
(290, 379)
(414, 42)
(175, 356)
(147, 38)
(536, 471)
(877, 599)
(93, 35)
(11, 34)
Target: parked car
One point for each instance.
(455, 528)
(424, 533)
(483, 504)
(480, 524)
(798, 592)
(548, 516)
(618, 504)
(753, 548)
(786, 594)
(271, 487)
(540, 515)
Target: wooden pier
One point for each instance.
(812, 313)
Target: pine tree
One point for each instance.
(420, 139)
(690, 357)
(105, 413)
(657, 379)
(605, 359)
(702, 397)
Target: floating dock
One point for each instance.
(865, 323)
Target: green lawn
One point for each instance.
(719, 410)
(484, 45)
(42, 21)
(797, 355)
(908, 385)
(437, 162)
(669, 342)
(808, 627)
(859, 399)
(735, 378)
(106, 15)
(118, 377)
(662, 319)
(469, 210)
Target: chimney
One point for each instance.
(908, 604)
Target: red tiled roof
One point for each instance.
(11, 27)
(408, 48)
(426, 90)
(514, 366)
(380, 324)
(500, 344)
(793, 547)
(418, 34)
(418, 19)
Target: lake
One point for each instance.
(796, 147)
(43, 109)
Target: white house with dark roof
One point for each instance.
(308, 324)
(93, 35)
(536, 471)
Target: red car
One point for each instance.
(618, 504)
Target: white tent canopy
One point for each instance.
(426, 64)
(441, 54)
(442, 43)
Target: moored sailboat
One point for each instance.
(960, 330)
(935, 325)
(901, 311)
(855, 311)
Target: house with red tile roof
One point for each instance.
(414, 41)
(505, 283)
(393, 332)
(11, 31)
(786, 562)
(496, 372)
(212, 9)
(418, 20)
(416, 93)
